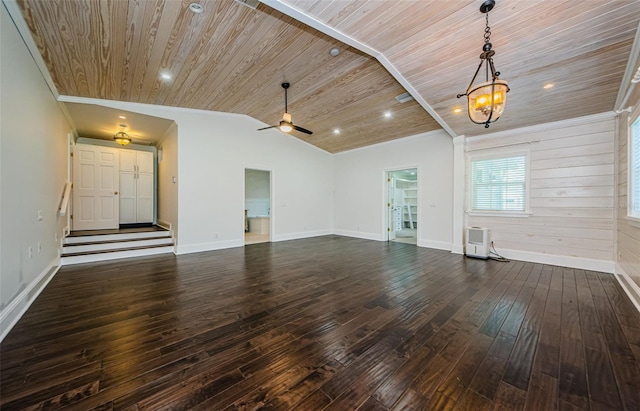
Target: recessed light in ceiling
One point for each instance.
(165, 76)
(548, 86)
(122, 117)
(123, 125)
(196, 8)
(336, 131)
(457, 109)
(334, 51)
(387, 114)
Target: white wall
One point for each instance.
(167, 186)
(359, 187)
(33, 171)
(213, 151)
(572, 193)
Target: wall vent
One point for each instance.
(404, 97)
(252, 4)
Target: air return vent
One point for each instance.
(252, 4)
(403, 98)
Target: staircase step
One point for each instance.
(105, 255)
(102, 238)
(115, 245)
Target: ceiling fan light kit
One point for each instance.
(286, 124)
(486, 101)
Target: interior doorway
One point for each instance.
(257, 206)
(402, 205)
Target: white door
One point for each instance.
(95, 188)
(127, 197)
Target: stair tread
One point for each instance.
(114, 250)
(89, 233)
(168, 237)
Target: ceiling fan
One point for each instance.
(286, 124)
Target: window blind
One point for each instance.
(499, 184)
(634, 170)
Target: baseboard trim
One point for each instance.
(12, 313)
(438, 245)
(560, 260)
(457, 249)
(628, 285)
(359, 234)
(300, 235)
(201, 247)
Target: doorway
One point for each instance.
(402, 205)
(257, 206)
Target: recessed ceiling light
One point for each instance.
(123, 125)
(165, 76)
(196, 8)
(122, 117)
(548, 86)
(457, 109)
(387, 114)
(336, 131)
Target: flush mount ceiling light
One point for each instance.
(122, 138)
(486, 100)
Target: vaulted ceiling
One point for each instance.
(232, 58)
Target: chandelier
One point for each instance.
(486, 100)
(122, 138)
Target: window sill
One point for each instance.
(513, 214)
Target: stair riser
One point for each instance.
(89, 258)
(114, 246)
(114, 237)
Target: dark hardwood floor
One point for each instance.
(324, 323)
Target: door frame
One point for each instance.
(271, 201)
(386, 210)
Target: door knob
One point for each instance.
(115, 192)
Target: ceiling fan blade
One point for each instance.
(266, 128)
(303, 130)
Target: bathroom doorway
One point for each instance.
(257, 206)
(402, 205)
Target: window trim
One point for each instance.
(489, 154)
(633, 117)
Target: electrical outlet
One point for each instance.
(40, 216)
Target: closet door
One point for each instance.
(144, 185)
(128, 200)
(136, 187)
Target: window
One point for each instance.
(499, 184)
(634, 169)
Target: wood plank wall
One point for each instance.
(571, 188)
(628, 235)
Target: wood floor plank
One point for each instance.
(324, 323)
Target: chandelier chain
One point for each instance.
(487, 29)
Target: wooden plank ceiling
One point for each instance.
(232, 59)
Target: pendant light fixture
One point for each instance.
(486, 100)
(121, 137)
